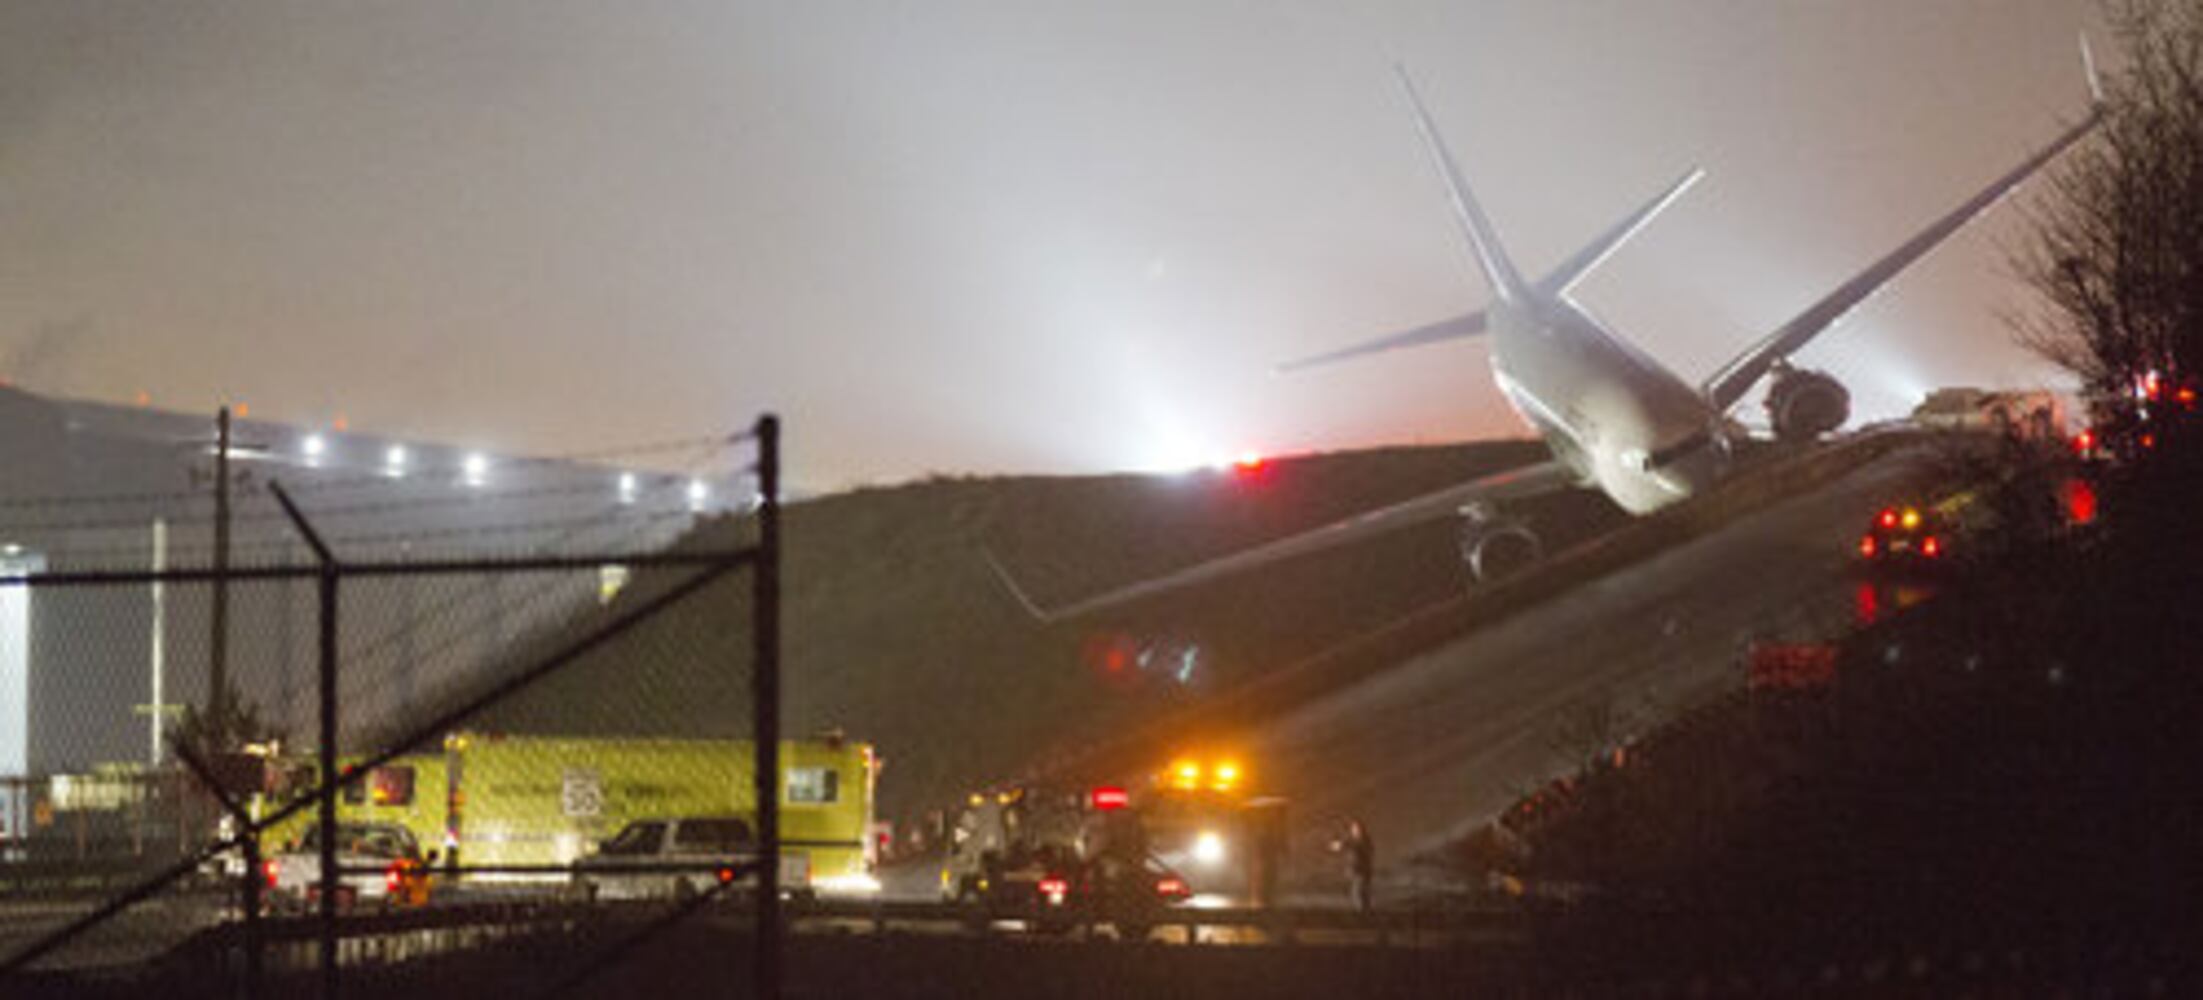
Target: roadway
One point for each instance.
(1431, 749)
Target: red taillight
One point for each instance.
(394, 876)
(1868, 546)
(1107, 798)
(1054, 888)
(2080, 501)
(1888, 518)
(2085, 441)
(269, 869)
(1172, 886)
(1931, 546)
(726, 876)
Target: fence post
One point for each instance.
(765, 707)
(330, 877)
(250, 887)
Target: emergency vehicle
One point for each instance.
(520, 808)
(1203, 822)
(1917, 536)
(1057, 859)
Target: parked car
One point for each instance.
(674, 857)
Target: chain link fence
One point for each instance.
(302, 721)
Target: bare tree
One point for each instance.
(2118, 247)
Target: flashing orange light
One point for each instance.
(1185, 774)
(1109, 797)
(243, 411)
(1911, 518)
(1931, 546)
(1868, 546)
(2149, 440)
(1888, 518)
(1226, 775)
(726, 876)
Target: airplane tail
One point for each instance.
(1491, 257)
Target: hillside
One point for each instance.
(897, 632)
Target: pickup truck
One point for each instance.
(677, 857)
(379, 862)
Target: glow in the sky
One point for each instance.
(972, 235)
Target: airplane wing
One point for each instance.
(1466, 325)
(1522, 481)
(1733, 380)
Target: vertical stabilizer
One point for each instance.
(1491, 257)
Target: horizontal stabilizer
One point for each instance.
(1457, 328)
(1597, 251)
(1515, 483)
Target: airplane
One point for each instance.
(1613, 416)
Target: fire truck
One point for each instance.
(1055, 859)
(1202, 820)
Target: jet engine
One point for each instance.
(1803, 404)
(1496, 547)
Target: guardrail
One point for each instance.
(385, 937)
(1235, 925)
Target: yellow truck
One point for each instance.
(517, 807)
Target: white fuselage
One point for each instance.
(1625, 423)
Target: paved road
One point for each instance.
(1442, 743)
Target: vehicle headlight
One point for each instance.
(1208, 848)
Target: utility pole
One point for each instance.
(160, 639)
(765, 706)
(218, 642)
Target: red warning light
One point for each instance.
(1868, 546)
(1931, 546)
(2080, 501)
(1888, 518)
(1109, 797)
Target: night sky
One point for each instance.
(974, 236)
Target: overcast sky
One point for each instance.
(973, 236)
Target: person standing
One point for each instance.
(1361, 863)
